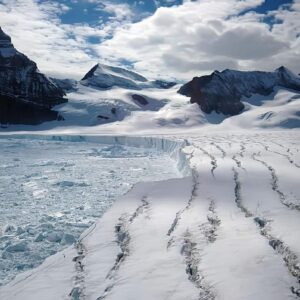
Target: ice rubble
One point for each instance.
(38, 189)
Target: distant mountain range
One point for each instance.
(28, 96)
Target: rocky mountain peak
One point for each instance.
(23, 87)
(6, 47)
(222, 92)
(4, 38)
(105, 76)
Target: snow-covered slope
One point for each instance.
(88, 106)
(108, 94)
(279, 110)
(167, 110)
(268, 100)
(103, 76)
(229, 230)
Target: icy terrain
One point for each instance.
(230, 231)
(51, 191)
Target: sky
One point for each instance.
(168, 39)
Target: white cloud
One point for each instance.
(179, 42)
(60, 50)
(252, 41)
(197, 37)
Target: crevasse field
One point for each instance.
(51, 191)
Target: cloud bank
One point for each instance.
(179, 42)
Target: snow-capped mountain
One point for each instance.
(109, 94)
(104, 77)
(26, 94)
(223, 92)
(231, 98)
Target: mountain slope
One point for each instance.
(109, 94)
(26, 95)
(103, 77)
(119, 99)
(222, 92)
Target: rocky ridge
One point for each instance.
(223, 92)
(26, 95)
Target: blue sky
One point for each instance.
(82, 11)
(271, 5)
(159, 38)
(90, 12)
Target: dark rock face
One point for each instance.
(90, 73)
(222, 92)
(141, 100)
(15, 111)
(103, 117)
(26, 88)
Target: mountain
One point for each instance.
(266, 100)
(26, 95)
(108, 94)
(105, 77)
(223, 92)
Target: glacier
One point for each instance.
(227, 229)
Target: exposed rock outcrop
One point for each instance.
(141, 100)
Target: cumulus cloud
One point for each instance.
(180, 42)
(201, 36)
(60, 50)
(246, 42)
